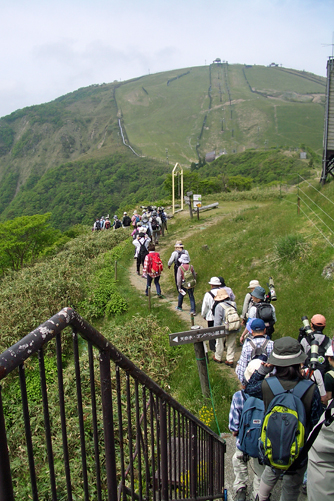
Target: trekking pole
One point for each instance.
(115, 271)
(192, 318)
(149, 298)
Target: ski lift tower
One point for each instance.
(328, 142)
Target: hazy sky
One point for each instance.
(52, 48)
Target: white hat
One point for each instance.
(251, 368)
(184, 259)
(214, 281)
(253, 284)
(124, 213)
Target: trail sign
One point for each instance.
(196, 335)
(197, 201)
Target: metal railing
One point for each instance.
(127, 439)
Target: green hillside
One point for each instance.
(58, 155)
(243, 107)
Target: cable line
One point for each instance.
(316, 189)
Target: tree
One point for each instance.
(24, 238)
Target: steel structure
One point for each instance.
(328, 141)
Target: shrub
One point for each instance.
(291, 247)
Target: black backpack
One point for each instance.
(118, 224)
(142, 251)
(97, 225)
(154, 224)
(179, 254)
(265, 312)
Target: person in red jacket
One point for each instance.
(152, 269)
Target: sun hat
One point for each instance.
(184, 259)
(251, 368)
(253, 284)
(258, 292)
(258, 325)
(178, 243)
(215, 281)
(287, 351)
(318, 320)
(221, 295)
(124, 213)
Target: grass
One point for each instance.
(171, 117)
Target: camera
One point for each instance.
(271, 296)
(306, 330)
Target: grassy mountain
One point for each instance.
(62, 154)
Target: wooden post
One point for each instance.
(298, 205)
(198, 213)
(202, 370)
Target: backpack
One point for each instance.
(97, 225)
(284, 426)
(155, 224)
(156, 264)
(107, 225)
(188, 281)
(250, 425)
(137, 219)
(179, 254)
(142, 251)
(118, 224)
(322, 364)
(232, 320)
(265, 312)
(259, 352)
(163, 217)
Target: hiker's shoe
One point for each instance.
(193, 313)
(229, 364)
(178, 308)
(217, 361)
(160, 296)
(240, 494)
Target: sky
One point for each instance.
(52, 48)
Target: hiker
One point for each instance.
(320, 481)
(329, 376)
(257, 346)
(240, 459)
(225, 313)
(163, 216)
(126, 221)
(207, 304)
(107, 224)
(155, 225)
(286, 357)
(117, 223)
(186, 281)
(102, 222)
(318, 324)
(152, 269)
(141, 244)
(248, 300)
(135, 219)
(97, 225)
(146, 224)
(228, 289)
(174, 258)
(261, 309)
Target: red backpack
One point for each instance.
(156, 264)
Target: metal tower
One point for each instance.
(328, 142)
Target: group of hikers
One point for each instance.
(152, 221)
(286, 385)
(282, 417)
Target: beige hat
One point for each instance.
(251, 368)
(221, 295)
(253, 284)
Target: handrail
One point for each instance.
(180, 456)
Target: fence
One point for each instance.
(128, 438)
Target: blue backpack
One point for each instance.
(284, 429)
(251, 425)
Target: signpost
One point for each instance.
(196, 336)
